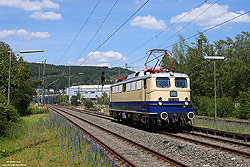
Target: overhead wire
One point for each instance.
(189, 23)
(183, 27)
(208, 29)
(97, 30)
(165, 29)
(79, 32)
(116, 31)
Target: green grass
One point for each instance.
(223, 125)
(48, 140)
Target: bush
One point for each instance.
(75, 100)
(8, 114)
(243, 109)
(204, 106)
(88, 103)
(225, 107)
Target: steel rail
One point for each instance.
(208, 144)
(191, 133)
(241, 121)
(159, 155)
(193, 140)
(218, 139)
(112, 151)
(233, 135)
(245, 137)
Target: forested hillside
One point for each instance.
(232, 74)
(57, 77)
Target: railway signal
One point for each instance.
(102, 78)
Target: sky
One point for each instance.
(81, 32)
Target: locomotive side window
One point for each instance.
(116, 89)
(163, 82)
(128, 87)
(133, 86)
(120, 88)
(138, 85)
(180, 82)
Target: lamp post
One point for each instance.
(215, 58)
(81, 83)
(25, 51)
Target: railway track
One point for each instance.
(205, 131)
(216, 146)
(226, 120)
(165, 159)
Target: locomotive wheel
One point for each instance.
(149, 124)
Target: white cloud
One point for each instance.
(138, 2)
(24, 34)
(29, 5)
(148, 22)
(46, 15)
(102, 58)
(215, 15)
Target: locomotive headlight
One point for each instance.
(186, 101)
(160, 101)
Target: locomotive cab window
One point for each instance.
(180, 82)
(139, 85)
(128, 87)
(163, 82)
(133, 86)
(120, 88)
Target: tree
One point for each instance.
(8, 114)
(22, 86)
(179, 52)
(232, 74)
(88, 103)
(75, 100)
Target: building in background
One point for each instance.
(88, 91)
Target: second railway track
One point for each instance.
(237, 143)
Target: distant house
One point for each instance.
(88, 91)
(51, 90)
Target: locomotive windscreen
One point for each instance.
(163, 82)
(180, 82)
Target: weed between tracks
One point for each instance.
(223, 125)
(48, 140)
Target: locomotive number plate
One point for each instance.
(173, 99)
(173, 94)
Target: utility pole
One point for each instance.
(9, 79)
(127, 67)
(69, 83)
(39, 86)
(215, 58)
(43, 91)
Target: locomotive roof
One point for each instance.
(141, 77)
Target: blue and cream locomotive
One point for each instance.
(153, 97)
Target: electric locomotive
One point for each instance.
(154, 97)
